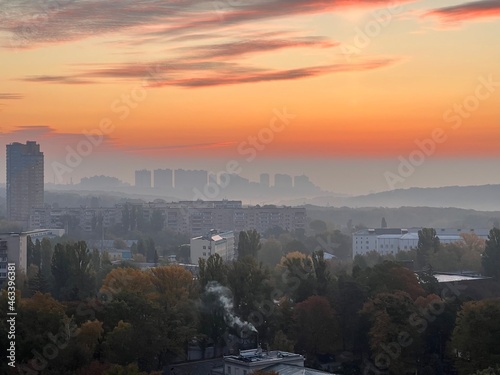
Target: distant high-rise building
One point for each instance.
(163, 179)
(187, 180)
(24, 181)
(282, 181)
(143, 179)
(303, 184)
(264, 179)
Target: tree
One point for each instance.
(83, 272)
(316, 327)
(389, 277)
(491, 255)
(33, 252)
(271, 252)
(141, 248)
(172, 283)
(476, 336)
(318, 226)
(392, 332)
(428, 243)
(119, 244)
(383, 223)
(248, 244)
(212, 269)
(247, 280)
(46, 257)
(39, 283)
(297, 276)
(61, 270)
(126, 280)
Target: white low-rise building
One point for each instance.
(392, 240)
(213, 243)
(280, 362)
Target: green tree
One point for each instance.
(46, 257)
(476, 336)
(391, 331)
(247, 281)
(248, 244)
(491, 255)
(83, 271)
(150, 250)
(61, 270)
(428, 243)
(383, 223)
(271, 252)
(212, 269)
(39, 283)
(33, 252)
(318, 226)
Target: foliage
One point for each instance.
(491, 255)
(476, 337)
(316, 327)
(212, 269)
(248, 244)
(392, 332)
(428, 244)
(271, 252)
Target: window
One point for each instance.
(228, 369)
(204, 254)
(204, 247)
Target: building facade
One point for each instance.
(143, 179)
(14, 248)
(163, 179)
(195, 218)
(253, 360)
(392, 240)
(25, 181)
(213, 242)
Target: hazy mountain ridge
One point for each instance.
(482, 198)
(404, 217)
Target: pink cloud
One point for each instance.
(466, 12)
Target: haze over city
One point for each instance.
(187, 85)
(250, 187)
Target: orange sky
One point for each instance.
(363, 79)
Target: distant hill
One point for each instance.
(483, 198)
(404, 217)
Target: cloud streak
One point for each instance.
(207, 74)
(466, 12)
(36, 23)
(10, 96)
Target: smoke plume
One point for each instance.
(225, 298)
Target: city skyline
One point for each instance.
(342, 88)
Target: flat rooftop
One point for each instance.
(257, 355)
(448, 278)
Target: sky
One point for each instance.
(360, 95)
